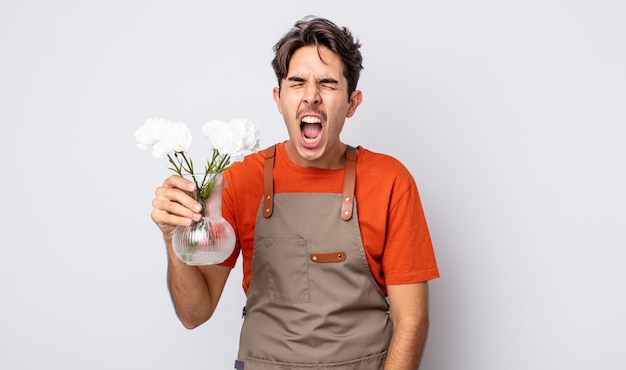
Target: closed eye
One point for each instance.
(326, 83)
(296, 81)
(329, 83)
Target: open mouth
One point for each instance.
(311, 128)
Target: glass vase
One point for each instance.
(212, 239)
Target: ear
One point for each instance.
(355, 100)
(276, 93)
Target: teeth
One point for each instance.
(310, 119)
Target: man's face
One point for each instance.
(313, 100)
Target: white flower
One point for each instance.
(249, 132)
(231, 142)
(163, 136)
(237, 138)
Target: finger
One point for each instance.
(179, 182)
(175, 207)
(168, 221)
(176, 202)
(171, 191)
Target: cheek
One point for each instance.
(288, 107)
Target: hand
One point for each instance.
(173, 206)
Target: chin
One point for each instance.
(308, 155)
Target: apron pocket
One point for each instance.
(287, 269)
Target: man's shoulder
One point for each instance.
(251, 167)
(380, 162)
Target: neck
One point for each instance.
(332, 159)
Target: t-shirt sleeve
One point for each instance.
(408, 255)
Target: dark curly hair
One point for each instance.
(319, 32)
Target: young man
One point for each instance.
(336, 251)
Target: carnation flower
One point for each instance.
(229, 141)
(237, 138)
(164, 137)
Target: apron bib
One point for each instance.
(312, 301)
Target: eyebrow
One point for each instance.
(327, 80)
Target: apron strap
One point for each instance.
(348, 183)
(268, 181)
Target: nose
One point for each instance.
(312, 94)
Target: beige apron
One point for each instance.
(312, 302)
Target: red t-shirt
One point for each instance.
(393, 228)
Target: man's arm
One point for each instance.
(409, 312)
(195, 290)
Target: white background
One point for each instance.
(510, 114)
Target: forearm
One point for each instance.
(408, 305)
(190, 292)
(407, 344)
